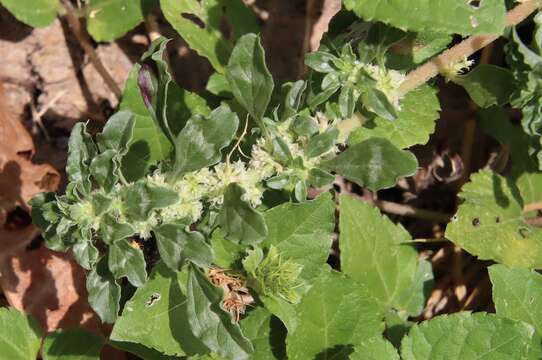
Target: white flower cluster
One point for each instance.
(387, 81)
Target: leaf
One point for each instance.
(321, 61)
(226, 252)
(374, 163)
(250, 81)
(376, 348)
(156, 317)
(209, 322)
(412, 299)
(141, 351)
(470, 336)
(20, 335)
(413, 125)
(81, 150)
(117, 132)
(266, 334)
(108, 20)
(490, 224)
(112, 230)
(321, 143)
(374, 253)
(530, 185)
(72, 344)
(241, 223)
(376, 101)
(488, 85)
(198, 24)
(517, 294)
(85, 253)
(302, 232)
(201, 141)
(36, 13)
(460, 17)
(176, 245)
(103, 169)
(336, 313)
(126, 259)
(103, 292)
(140, 198)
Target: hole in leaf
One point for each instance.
(195, 19)
(153, 299)
(475, 222)
(475, 4)
(497, 219)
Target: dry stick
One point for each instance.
(467, 47)
(407, 210)
(85, 43)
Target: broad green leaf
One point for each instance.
(321, 61)
(108, 20)
(103, 169)
(85, 253)
(466, 336)
(143, 352)
(517, 294)
(148, 144)
(412, 299)
(302, 232)
(376, 348)
(209, 322)
(321, 143)
(156, 317)
(374, 253)
(530, 186)
(226, 252)
(413, 125)
(201, 141)
(176, 245)
(117, 132)
(488, 85)
(266, 334)
(198, 23)
(103, 292)
(240, 222)
(417, 48)
(376, 101)
(126, 259)
(250, 81)
(218, 85)
(81, 150)
(140, 198)
(112, 230)
(444, 16)
(36, 13)
(20, 335)
(374, 163)
(72, 344)
(490, 224)
(334, 315)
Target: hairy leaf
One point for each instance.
(103, 292)
(20, 335)
(72, 344)
(488, 85)
(81, 150)
(117, 132)
(265, 333)
(141, 198)
(376, 348)
(126, 259)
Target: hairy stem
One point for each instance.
(465, 48)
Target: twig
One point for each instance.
(465, 48)
(85, 43)
(407, 210)
(532, 207)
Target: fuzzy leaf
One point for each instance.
(465, 336)
(108, 20)
(266, 334)
(103, 169)
(72, 344)
(241, 223)
(250, 81)
(488, 85)
(156, 317)
(335, 314)
(321, 143)
(141, 198)
(103, 292)
(490, 224)
(81, 150)
(201, 141)
(125, 259)
(517, 294)
(112, 230)
(85, 253)
(376, 348)
(442, 16)
(36, 13)
(209, 322)
(375, 163)
(117, 132)
(413, 125)
(20, 335)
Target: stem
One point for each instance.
(465, 48)
(85, 43)
(532, 207)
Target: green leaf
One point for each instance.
(266, 334)
(20, 335)
(294, 97)
(374, 253)
(156, 317)
(302, 232)
(376, 101)
(117, 132)
(103, 169)
(321, 143)
(148, 144)
(412, 299)
(488, 85)
(198, 24)
(141, 351)
(176, 245)
(241, 223)
(490, 224)
(125, 259)
(85, 253)
(375, 348)
(443, 16)
(517, 294)
(321, 61)
(530, 185)
(226, 252)
(108, 20)
(466, 336)
(250, 81)
(81, 150)
(374, 163)
(72, 344)
(413, 125)
(335, 314)
(319, 178)
(36, 13)
(103, 292)
(209, 322)
(201, 141)
(140, 198)
(112, 230)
